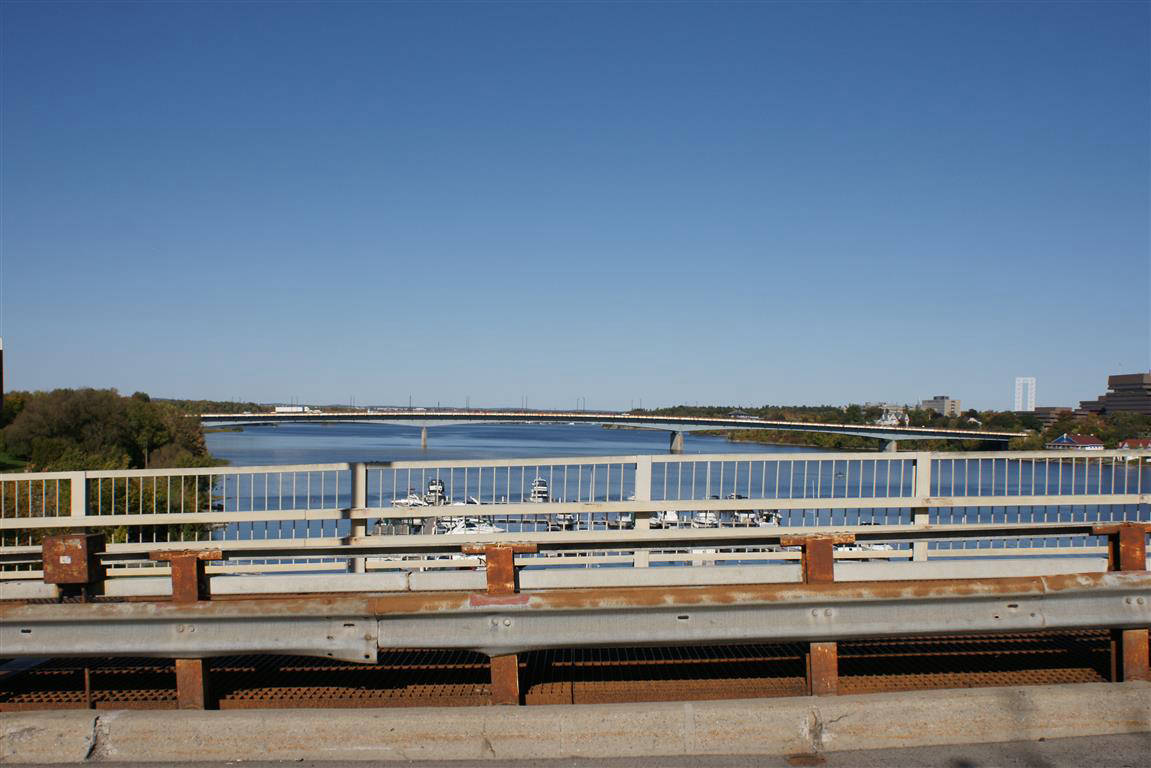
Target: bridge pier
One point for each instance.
(891, 446)
(676, 443)
(423, 438)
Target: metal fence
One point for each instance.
(592, 511)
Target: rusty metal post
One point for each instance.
(189, 585)
(72, 563)
(818, 566)
(1127, 551)
(87, 687)
(501, 572)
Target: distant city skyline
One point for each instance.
(722, 203)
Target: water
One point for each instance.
(333, 443)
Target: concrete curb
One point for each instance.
(754, 726)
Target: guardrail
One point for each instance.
(636, 510)
(501, 621)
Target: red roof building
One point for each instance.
(1072, 442)
(1136, 443)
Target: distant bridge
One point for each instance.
(676, 425)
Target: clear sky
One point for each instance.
(716, 202)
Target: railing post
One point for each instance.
(818, 567)
(922, 491)
(501, 578)
(642, 519)
(78, 481)
(359, 499)
(1127, 551)
(72, 563)
(189, 585)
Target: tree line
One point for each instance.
(1111, 428)
(73, 429)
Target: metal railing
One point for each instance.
(614, 510)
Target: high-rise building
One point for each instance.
(1024, 393)
(1130, 393)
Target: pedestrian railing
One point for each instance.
(590, 511)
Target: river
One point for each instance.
(331, 443)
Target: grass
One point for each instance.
(10, 463)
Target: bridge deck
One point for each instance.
(424, 417)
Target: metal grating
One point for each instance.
(410, 678)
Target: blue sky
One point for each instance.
(733, 203)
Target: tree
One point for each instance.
(68, 429)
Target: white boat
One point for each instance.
(864, 548)
(668, 518)
(447, 523)
(623, 521)
(705, 519)
(539, 493)
(435, 496)
(755, 518)
(769, 518)
(470, 526)
(413, 499)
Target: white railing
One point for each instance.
(613, 510)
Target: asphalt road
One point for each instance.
(1128, 751)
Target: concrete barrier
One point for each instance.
(757, 726)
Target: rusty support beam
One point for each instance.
(501, 572)
(192, 690)
(823, 669)
(506, 679)
(189, 580)
(1127, 551)
(190, 585)
(818, 566)
(501, 568)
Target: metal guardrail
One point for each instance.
(629, 509)
(354, 628)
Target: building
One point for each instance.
(942, 404)
(892, 415)
(1130, 393)
(1136, 443)
(1024, 393)
(1047, 415)
(1066, 442)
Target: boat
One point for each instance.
(447, 523)
(413, 499)
(435, 496)
(705, 519)
(623, 521)
(471, 526)
(539, 493)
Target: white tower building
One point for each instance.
(1024, 393)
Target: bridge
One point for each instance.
(498, 574)
(676, 425)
